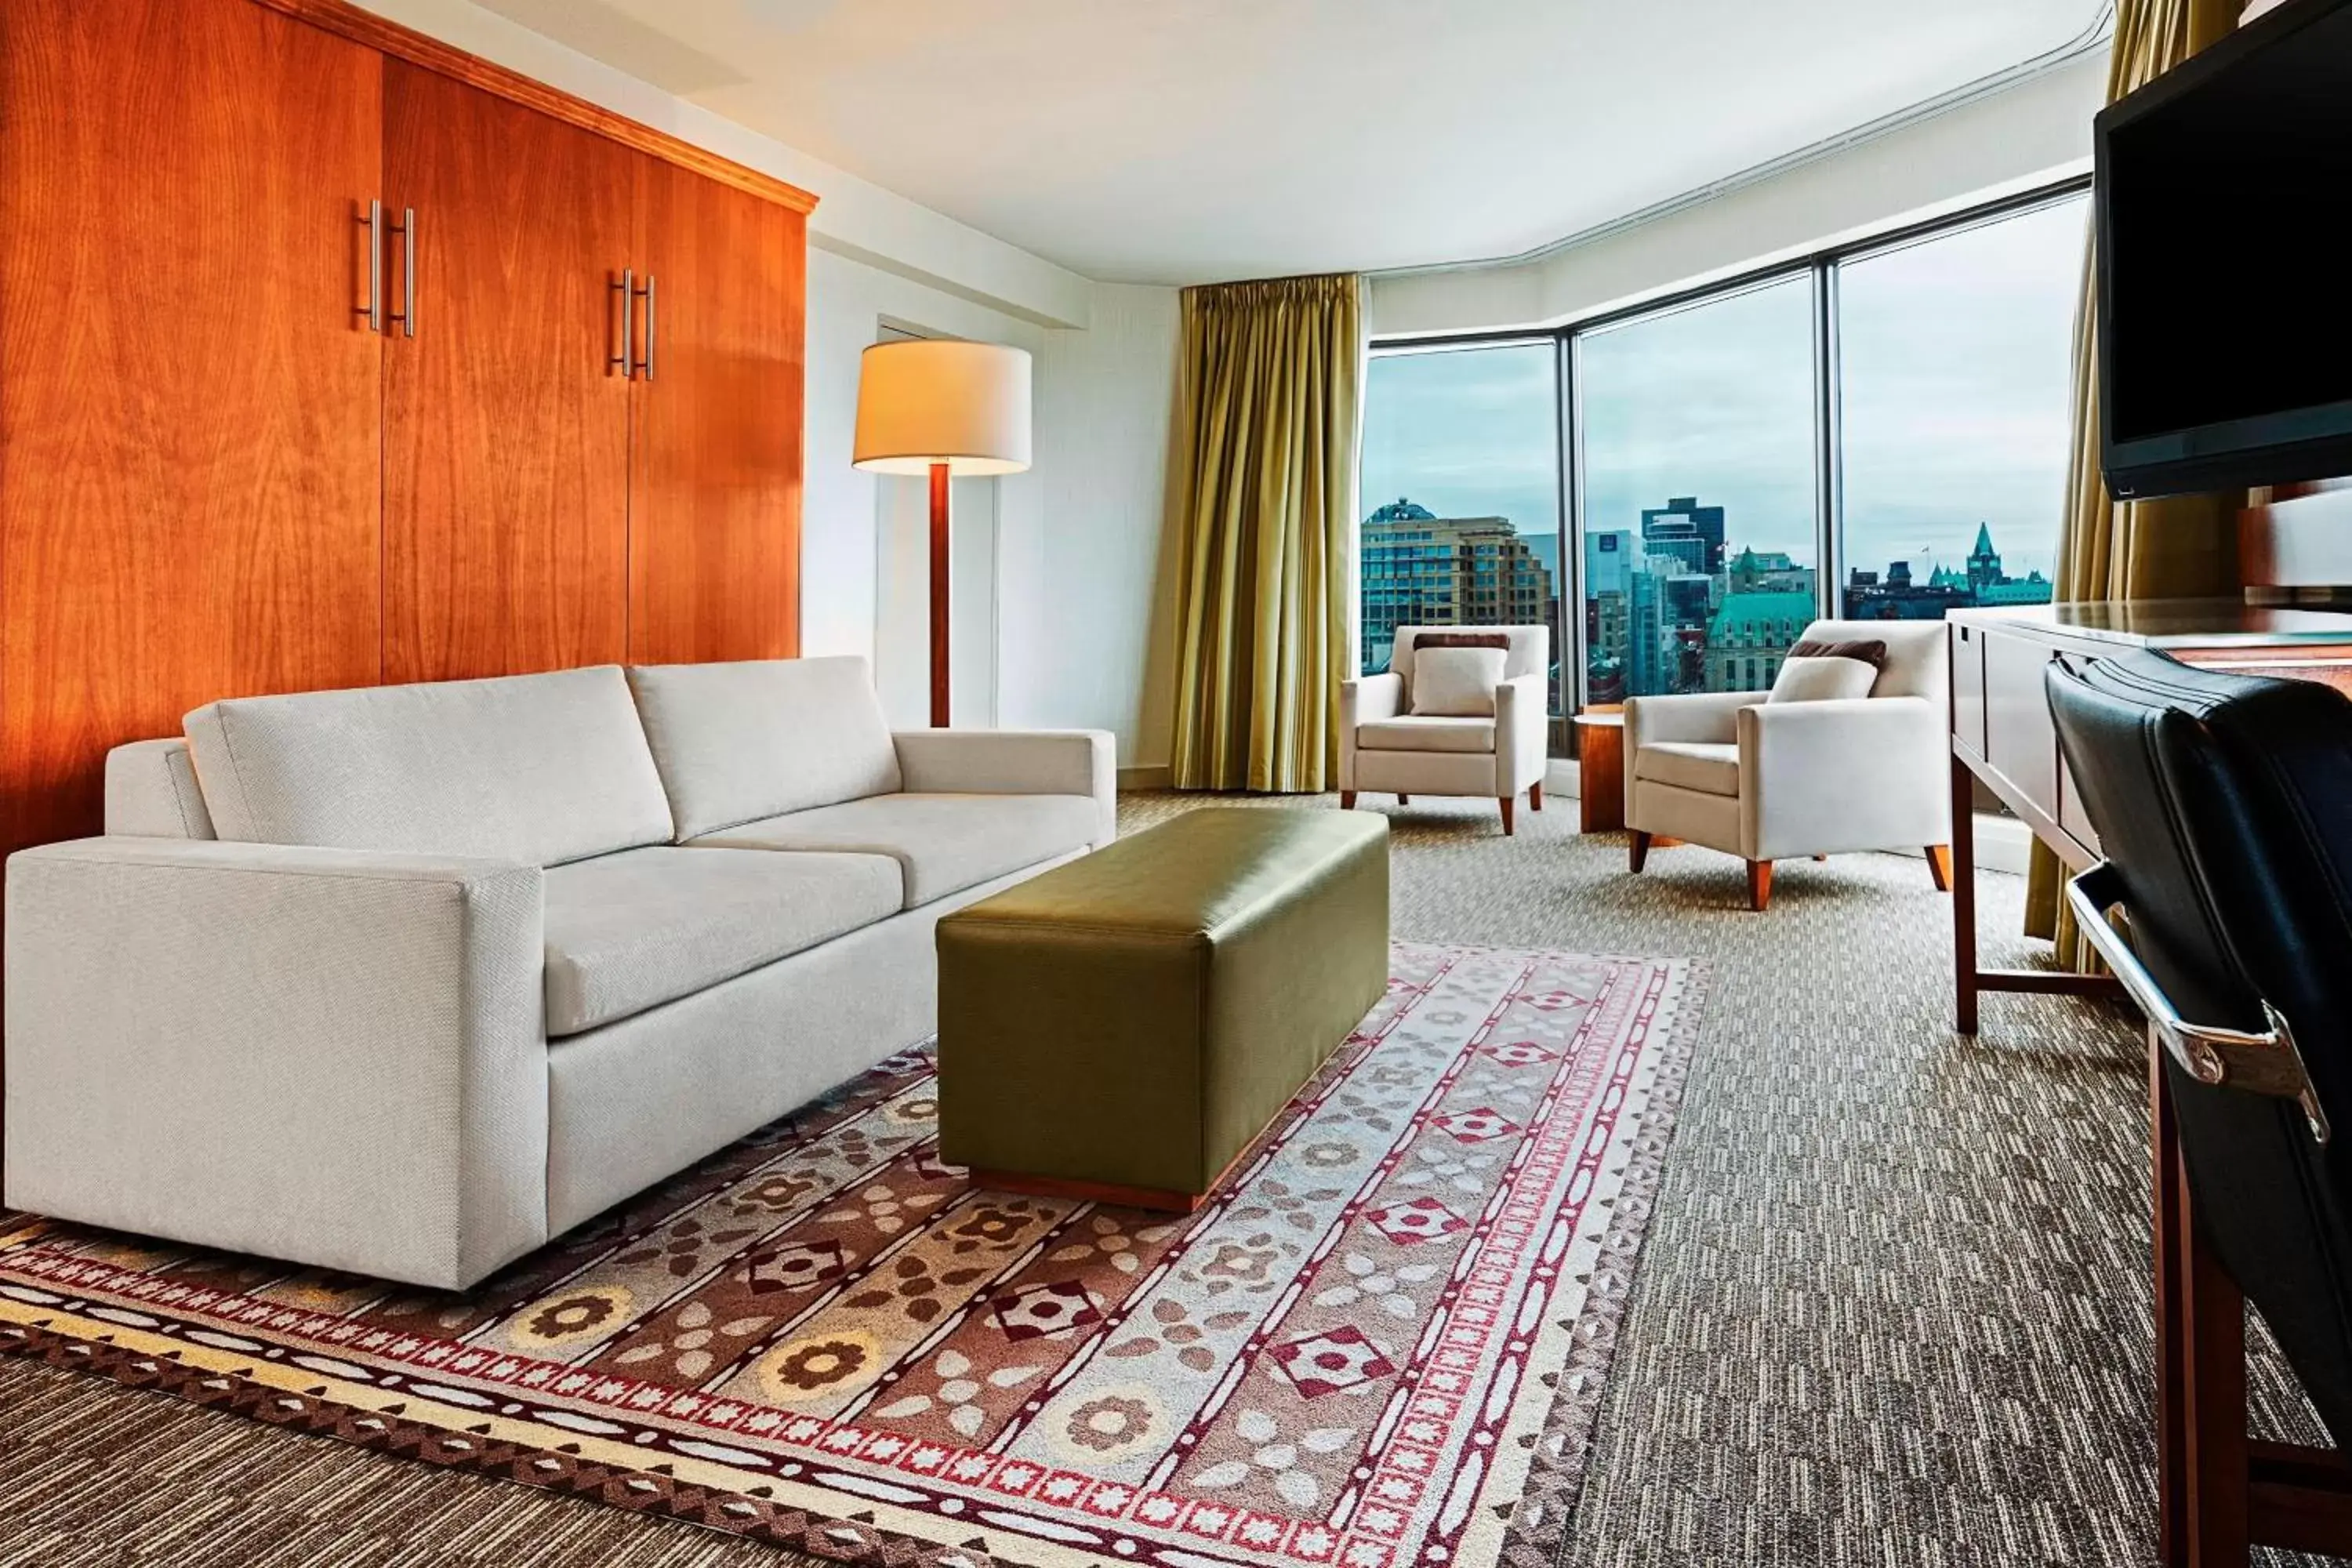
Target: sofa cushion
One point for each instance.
(945, 842)
(1422, 732)
(537, 768)
(738, 742)
(1711, 769)
(629, 931)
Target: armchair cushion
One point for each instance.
(1707, 767)
(1422, 733)
(1824, 677)
(629, 931)
(1457, 682)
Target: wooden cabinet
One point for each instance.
(506, 437)
(189, 410)
(217, 477)
(714, 515)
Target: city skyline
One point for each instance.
(1956, 362)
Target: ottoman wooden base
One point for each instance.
(1123, 1027)
(1091, 1192)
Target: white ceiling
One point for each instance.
(1191, 141)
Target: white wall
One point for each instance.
(1083, 564)
(2028, 134)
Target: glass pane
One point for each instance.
(1461, 470)
(1956, 356)
(1699, 507)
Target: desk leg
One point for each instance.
(1964, 897)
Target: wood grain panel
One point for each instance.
(715, 517)
(189, 412)
(406, 44)
(506, 434)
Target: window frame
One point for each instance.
(1821, 267)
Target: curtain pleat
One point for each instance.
(1266, 430)
(2176, 547)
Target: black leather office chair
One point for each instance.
(2223, 806)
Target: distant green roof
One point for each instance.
(1739, 611)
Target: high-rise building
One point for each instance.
(1420, 569)
(1687, 530)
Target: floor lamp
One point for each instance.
(951, 410)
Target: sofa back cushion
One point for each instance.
(537, 768)
(738, 742)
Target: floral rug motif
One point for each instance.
(1382, 1342)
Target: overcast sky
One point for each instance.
(1956, 362)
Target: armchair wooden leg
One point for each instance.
(1641, 848)
(1760, 885)
(1404, 800)
(1939, 866)
(1509, 826)
(1534, 798)
(1820, 857)
(1347, 800)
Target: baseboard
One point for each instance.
(1158, 777)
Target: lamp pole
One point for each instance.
(939, 596)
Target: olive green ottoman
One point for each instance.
(1121, 1027)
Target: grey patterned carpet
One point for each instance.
(1894, 1308)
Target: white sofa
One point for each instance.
(407, 980)
(1767, 781)
(1384, 746)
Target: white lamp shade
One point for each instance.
(933, 400)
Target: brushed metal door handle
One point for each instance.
(648, 295)
(373, 221)
(406, 315)
(626, 285)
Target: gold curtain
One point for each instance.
(2177, 547)
(1266, 437)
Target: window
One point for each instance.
(1955, 379)
(1461, 480)
(1880, 431)
(1699, 488)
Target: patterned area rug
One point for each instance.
(1382, 1343)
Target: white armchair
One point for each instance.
(1385, 747)
(1766, 780)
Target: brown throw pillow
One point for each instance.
(1487, 639)
(1872, 653)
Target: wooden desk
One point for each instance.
(2003, 734)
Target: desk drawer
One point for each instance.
(2021, 741)
(1968, 688)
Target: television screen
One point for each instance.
(2225, 292)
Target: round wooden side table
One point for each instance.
(1600, 770)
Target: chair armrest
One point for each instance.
(1521, 732)
(1014, 762)
(1362, 702)
(1707, 717)
(1370, 697)
(331, 1057)
(1865, 772)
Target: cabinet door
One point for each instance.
(714, 526)
(189, 423)
(505, 432)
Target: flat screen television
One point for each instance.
(2223, 200)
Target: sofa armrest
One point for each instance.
(1522, 712)
(1014, 762)
(1865, 772)
(325, 1055)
